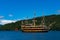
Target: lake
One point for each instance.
(18, 35)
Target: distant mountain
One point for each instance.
(48, 20)
(0, 25)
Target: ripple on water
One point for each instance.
(17, 35)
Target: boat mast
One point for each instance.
(43, 18)
(22, 22)
(43, 21)
(34, 19)
(26, 21)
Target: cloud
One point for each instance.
(10, 15)
(58, 11)
(2, 22)
(1, 17)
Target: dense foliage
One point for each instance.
(48, 20)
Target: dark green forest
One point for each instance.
(48, 20)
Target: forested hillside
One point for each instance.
(48, 20)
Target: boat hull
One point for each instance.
(34, 29)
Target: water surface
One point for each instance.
(18, 35)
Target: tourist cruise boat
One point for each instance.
(35, 28)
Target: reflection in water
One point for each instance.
(17, 35)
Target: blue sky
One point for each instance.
(19, 9)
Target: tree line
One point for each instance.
(48, 20)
